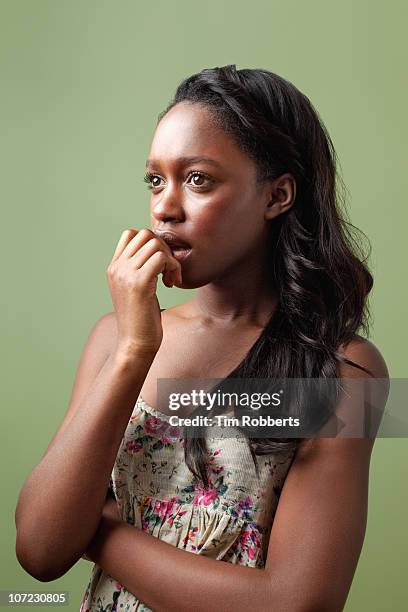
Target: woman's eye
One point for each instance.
(157, 179)
(200, 176)
(152, 180)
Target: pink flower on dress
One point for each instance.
(255, 539)
(204, 497)
(250, 541)
(152, 425)
(133, 446)
(244, 537)
(163, 508)
(167, 432)
(250, 553)
(214, 454)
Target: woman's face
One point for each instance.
(215, 205)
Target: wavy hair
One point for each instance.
(316, 261)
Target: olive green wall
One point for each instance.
(82, 83)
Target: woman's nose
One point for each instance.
(168, 207)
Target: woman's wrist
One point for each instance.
(105, 528)
(129, 353)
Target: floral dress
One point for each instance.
(230, 520)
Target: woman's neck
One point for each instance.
(235, 302)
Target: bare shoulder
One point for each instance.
(177, 320)
(364, 353)
(180, 312)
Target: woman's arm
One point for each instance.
(315, 543)
(60, 503)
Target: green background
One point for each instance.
(82, 83)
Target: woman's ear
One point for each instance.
(281, 195)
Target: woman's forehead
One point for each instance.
(187, 131)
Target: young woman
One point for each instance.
(245, 207)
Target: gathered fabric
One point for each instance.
(229, 520)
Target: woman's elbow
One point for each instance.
(30, 563)
(41, 565)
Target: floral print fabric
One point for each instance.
(230, 520)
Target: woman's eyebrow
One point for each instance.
(185, 161)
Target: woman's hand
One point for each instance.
(132, 275)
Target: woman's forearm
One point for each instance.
(168, 579)
(60, 504)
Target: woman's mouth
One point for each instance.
(180, 253)
(180, 248)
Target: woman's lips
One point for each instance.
(180, 253)
(180, 248)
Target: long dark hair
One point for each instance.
(316, 261)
